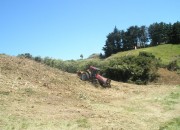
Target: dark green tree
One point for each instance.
(154, 34)
(113, 43)
(160, 33)
(26, 55)
(38, 59)
(175, 39)
(81, 56)
(134, 36)
(131, 38)
(125, 40)
(167, 33)
(143, 36)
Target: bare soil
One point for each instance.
(36, 97)
(168, 77)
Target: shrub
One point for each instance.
(146, 54)
(38, 59)
(84, 65)
(26, 55)
(138, 69)
(173, 66)
(71, 66)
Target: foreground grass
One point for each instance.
(132, 107)
(173, 124)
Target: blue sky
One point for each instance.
(65, 29)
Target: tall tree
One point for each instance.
(160, 33)
(167, 33)
(143, 36)
(176, 33)
(131, 37)
(124, 40)
(154, 33)
(113, 43)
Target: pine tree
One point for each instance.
(113, 43)
(176, 33)
(143, 36)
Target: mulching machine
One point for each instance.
(92, 75)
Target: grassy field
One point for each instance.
(36, 97)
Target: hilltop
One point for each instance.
(35, 96)
(165, 52)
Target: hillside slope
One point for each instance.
(166, 52)
(34, 96)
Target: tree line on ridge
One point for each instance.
(138, 37)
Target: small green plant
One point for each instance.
(170, 100)
(24, 125)
(82, 96)
(29, 91)
(4, 93)
(174, 95)
(83, 122)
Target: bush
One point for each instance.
(173, 66)
(38, 59)
(138, 69)
(26, 55)
(85, 64)
(71, 66)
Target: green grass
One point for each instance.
(17, 122)
(168, 102)
(173, 124)
(29, 90)
(171, 100)
(4, 93)
(166, 52)
(83, 122)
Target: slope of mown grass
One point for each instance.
(37, 97)
(166, 52)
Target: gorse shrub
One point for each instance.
(146, 54)
(173, 66)
(72, 66)
(139, 69)
(26, 55)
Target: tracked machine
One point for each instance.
(92, 75)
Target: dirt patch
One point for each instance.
(168, 77)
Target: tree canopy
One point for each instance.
(138, 37)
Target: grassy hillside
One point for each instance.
(34, 96)
(166, 52)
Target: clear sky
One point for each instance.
(65, 29)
